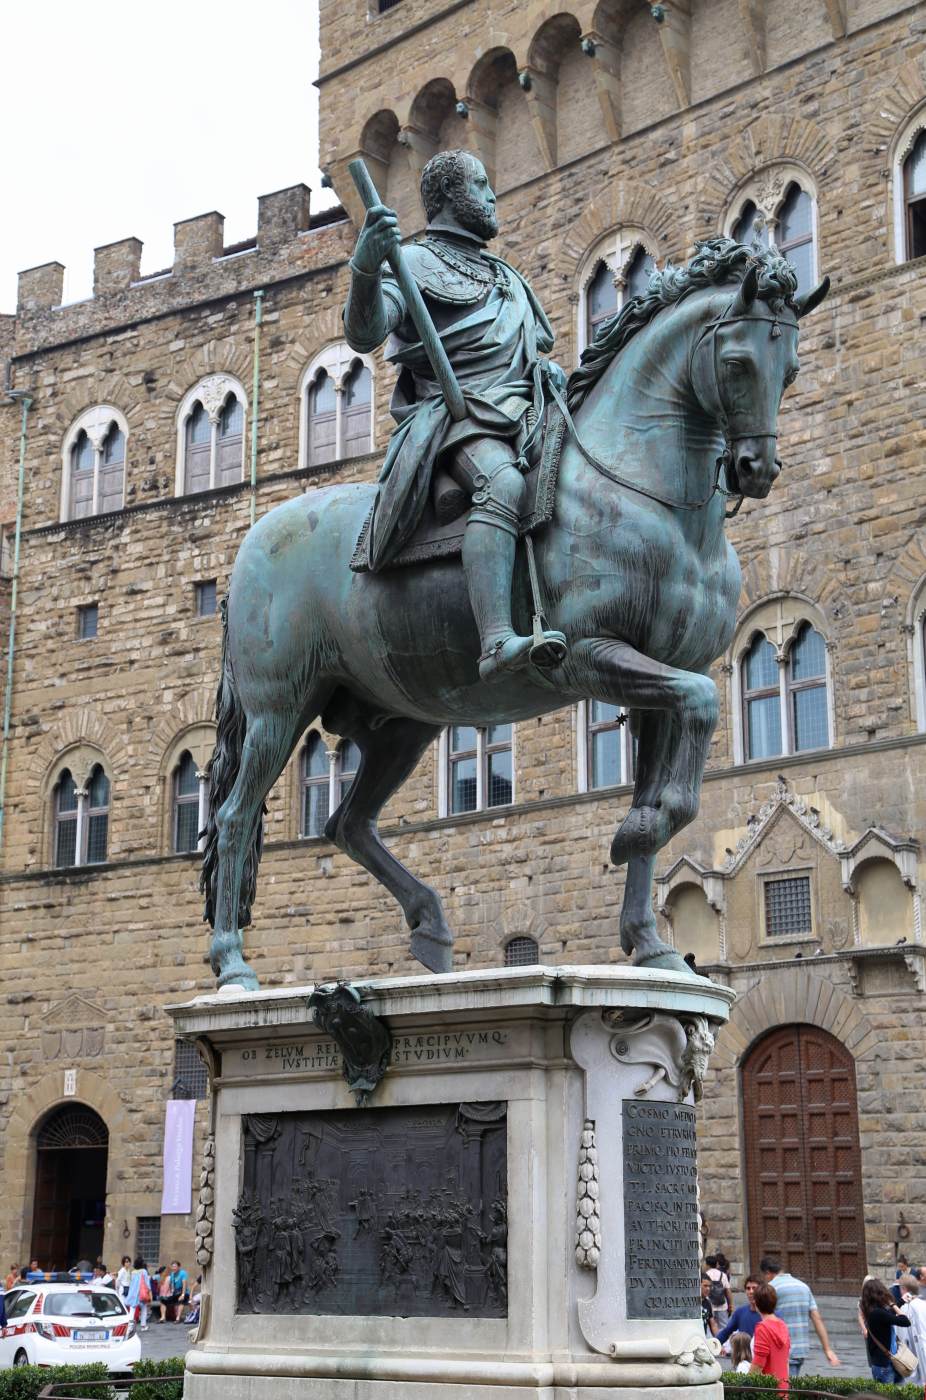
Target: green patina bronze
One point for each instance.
(672, 412)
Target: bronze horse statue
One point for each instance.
(672, 412)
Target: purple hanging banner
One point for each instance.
(177, 1196)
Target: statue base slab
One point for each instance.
(510, 1213)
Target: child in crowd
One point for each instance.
(741, 1352)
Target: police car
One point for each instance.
(57, 1324)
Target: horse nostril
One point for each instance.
(778, 463)
(745, 464)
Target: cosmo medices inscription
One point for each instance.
(661, 1210)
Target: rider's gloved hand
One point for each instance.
(378, 237)
(557, 374)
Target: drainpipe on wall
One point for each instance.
(255, 398)
(25, 405)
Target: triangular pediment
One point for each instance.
(75, 1011)
(801, 821)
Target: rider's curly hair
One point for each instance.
(447, 168)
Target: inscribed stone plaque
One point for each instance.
(661, 1210)
(375, 1212)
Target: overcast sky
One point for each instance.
(120, 118)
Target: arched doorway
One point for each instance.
(72, 1149)
(803, 1162)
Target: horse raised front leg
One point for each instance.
(389, 753)
(676, 714)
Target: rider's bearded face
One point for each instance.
(474, 206)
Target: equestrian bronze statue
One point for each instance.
(531, 542)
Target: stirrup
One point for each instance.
(548, 648)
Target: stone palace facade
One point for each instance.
(170, 409)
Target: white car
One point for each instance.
(59, 1324)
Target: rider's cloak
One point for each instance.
(494, 347)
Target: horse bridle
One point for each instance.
(724, 461)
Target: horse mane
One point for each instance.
(716, 260)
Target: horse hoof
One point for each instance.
(243, 977)
(435, 953)
(666, 962)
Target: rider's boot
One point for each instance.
(488, 557)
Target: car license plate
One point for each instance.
(90, 1336)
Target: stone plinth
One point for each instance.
(512, 1214)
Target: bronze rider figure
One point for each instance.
(496, 337)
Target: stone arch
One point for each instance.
(431, 106)
(224, 357)
(19, 1156)
(892, 107)
(781, 569)
(794, 995)
(620, 205)
(770, 140)
(503, 133)
(112, 388)
(79, 728)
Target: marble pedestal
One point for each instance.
(563, 1094)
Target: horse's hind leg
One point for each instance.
(388, 754)
(268, 743)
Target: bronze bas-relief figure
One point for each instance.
(672, 411)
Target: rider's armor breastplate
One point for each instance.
(449, 275)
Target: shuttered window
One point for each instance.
(600, 299)
(795, 234)
(112, 470)
(358, 406)
(96, 484)
(229, 445)
(338, 407)
(323, 420)
(83, 477)
(198, 456)
(638, 273)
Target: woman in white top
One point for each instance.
(915, 1308)
(124, 1278)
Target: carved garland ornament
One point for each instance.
(205, 1210)
(588, 1221)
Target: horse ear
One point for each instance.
(812, 299)
(747, 293)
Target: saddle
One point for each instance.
(433, 539)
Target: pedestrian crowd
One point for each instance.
(163, 1294)
(770, 1332)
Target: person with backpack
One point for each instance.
(719, 1295)
(139, 1299)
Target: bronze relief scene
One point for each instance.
(390, 1212)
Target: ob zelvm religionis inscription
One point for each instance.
(375, 1212)
(661, 1210)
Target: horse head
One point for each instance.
(741, 364)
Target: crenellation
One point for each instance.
(116, 266)
(198, 240)
(40, 288)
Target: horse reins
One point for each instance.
(725, 459)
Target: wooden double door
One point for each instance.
(802, 1158)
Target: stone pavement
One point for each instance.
(163, 1340)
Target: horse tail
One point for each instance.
(222, 772)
